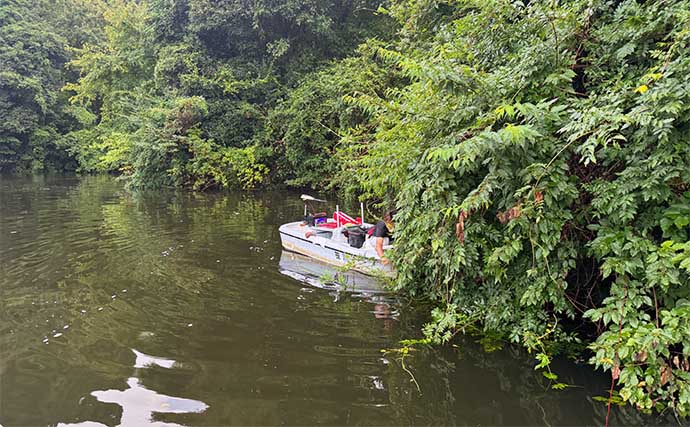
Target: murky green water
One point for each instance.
(170, 308)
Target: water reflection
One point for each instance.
(325, 276)
(139, 404)
(144, 360)
(321, 275)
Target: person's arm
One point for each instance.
(379, 250)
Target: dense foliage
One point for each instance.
(35, 42)
(182, 92)
(538, 152)
(541, 161)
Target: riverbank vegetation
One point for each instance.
(538, 152)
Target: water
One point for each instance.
(170, 308)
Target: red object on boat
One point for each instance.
(344, 218)
(341, 218)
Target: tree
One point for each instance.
(35, 42)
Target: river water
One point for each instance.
(172, 308)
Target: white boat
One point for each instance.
(326, 240)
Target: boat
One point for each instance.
(339, 240)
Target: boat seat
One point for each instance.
(316, 218)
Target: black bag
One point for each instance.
(356, 236)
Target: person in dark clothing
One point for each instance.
(383, 229)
